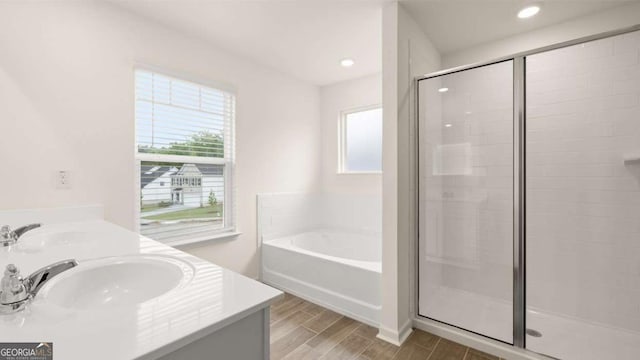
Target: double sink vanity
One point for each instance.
(96, 290)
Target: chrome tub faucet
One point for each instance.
(16, 292)
(10, 237)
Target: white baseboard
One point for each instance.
(396, 337)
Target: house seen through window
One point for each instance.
(184, 135)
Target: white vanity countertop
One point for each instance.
(213, 298)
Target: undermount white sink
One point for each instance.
(116, 281)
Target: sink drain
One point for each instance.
(534, 333)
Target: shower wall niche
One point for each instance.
(531, 166)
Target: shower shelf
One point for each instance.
(632, 159)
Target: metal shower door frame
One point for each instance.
(519, 173)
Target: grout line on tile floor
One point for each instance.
(338, 342)
(434, 348)
(364, 336)
(366, 347)
(328, 326)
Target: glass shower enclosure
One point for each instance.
(529, 198)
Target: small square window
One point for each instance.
(361, 141)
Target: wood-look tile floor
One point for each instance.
(302, 330)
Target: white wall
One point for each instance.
(407, 52)
(291, 213)
(67, 103)
(335, 99)
(613, 19)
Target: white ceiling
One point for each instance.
(304, 38)
(455, 24)
(308, 38)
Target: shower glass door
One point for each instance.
(466, 209)
(583, 200)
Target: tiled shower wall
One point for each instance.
(287, 214)
(583, 199)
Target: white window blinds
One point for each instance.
(184, 135)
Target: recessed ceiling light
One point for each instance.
(443, 89)
(448, 125)
(347, 62)
(528, 11)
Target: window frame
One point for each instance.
(229, 228)
(342, 140)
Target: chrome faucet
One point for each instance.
(16, 292)
(10, 237)
(12, 287)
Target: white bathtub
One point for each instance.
(336, 269)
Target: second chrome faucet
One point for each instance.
(10, 237)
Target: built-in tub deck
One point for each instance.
(339, 270)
